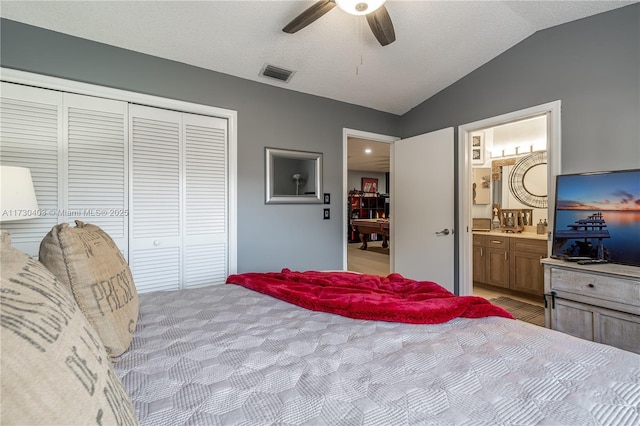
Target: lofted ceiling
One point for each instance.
(337, 57)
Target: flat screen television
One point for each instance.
(597, 216)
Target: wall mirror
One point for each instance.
(528, 180)
(293, 177)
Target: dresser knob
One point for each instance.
(156, 243)
(592, 286)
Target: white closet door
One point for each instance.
(31, 136)
(95, 142)
(205, 201)
(155, 229)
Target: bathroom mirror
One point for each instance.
(293, 177)
(528, 180)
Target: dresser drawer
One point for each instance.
(478, 240)
(619, 290)
(529, 245)
(492, 241)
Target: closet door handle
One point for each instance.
(445, 231)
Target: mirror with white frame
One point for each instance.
(293, 177)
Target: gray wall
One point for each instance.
(592, 65)
(269, 236)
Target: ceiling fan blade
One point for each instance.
(308, 16)
(381, 26)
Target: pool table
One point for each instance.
(372, 226)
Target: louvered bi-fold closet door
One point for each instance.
(75, 147)
(205, 200)
(179, 192)
(96, 143)
(156, 193)
(31, 136)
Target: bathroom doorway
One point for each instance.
(467, 159)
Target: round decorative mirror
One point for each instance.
(528, 180)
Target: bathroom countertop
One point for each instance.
(524, 234)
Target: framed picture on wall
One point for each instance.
(477, 148)
(369, 184)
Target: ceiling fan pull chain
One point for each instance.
(360, 43)
(359, 35)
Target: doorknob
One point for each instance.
(445, 231)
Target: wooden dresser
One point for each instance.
(595, 302)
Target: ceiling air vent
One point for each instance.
(277, 73)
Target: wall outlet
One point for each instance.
(327, 214)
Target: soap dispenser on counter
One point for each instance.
(496, 220)
(540, 228)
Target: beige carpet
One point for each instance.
(523, 311)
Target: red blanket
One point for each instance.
(370, 297)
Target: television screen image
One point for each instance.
(597, 215)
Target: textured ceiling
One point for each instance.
(336, 57)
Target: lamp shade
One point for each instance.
(359, 7)
(17, 195)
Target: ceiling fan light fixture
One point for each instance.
(359, 7)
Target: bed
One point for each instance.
(229, 355)
(81, 346)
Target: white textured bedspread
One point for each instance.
(225, 355)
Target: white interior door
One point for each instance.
(422, 207)
(95, 142)
(155, 239)
(205, 224)
(31, 130)
(179, 205)
(75, 148)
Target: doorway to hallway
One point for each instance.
(367, 201)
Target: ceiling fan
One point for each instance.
(375, 11)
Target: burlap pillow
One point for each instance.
(88, 262)
(55, 371)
